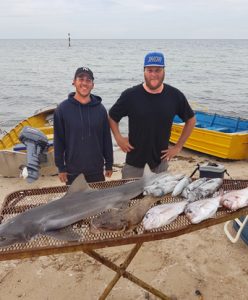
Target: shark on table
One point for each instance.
(78, 203)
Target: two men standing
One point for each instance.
(82, 136)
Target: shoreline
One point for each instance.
(204, 260)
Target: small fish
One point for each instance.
(205, 190)
(235, 199)
(210, 186)
(161, 189)
(202, 209)
(164, 178)
(196, 183)
(192, 186)
(183, 183)
(122, 219)
(163, 214)
(168, 178)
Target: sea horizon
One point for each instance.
(38, 72)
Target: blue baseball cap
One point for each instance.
(154, 59)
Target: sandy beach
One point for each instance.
(204, 260)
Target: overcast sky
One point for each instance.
(124, 19)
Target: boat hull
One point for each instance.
(12, 161)
(232, 146)
(12, 153)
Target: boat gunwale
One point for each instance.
(245, 132)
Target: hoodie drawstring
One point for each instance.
(82, 121)
(81, 118)
(89, 120)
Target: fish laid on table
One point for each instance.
(162, 185)
(196, 183)
(202, 209)
(80, 202)
(123, 219)
(168, 177)
(235, 199)
(192, 186)
(181, 185)
(206, 189)
(163, 214)
(160, 189)
(161, 181)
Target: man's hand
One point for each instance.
(124, 144)
(108, 173)
(63, 177)
(168, 154)
(121, 141)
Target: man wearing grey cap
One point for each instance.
(82, 139)
(150, 108)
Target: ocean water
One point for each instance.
(213, 74)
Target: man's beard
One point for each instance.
(152, 87)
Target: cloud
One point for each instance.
(124, 18)
(140, 5)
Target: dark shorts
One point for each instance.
(89, 178)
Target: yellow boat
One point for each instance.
(12, 151)
(217, 135)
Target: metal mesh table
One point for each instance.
(22, 200)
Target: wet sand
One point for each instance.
(204, 260)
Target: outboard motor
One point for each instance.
(37, 145)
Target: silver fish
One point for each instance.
(169, 178)
(196, 183)
(166, 178)
(206, 189)
(211, 185)
(161, 189)
(192, 186)
(163, 214)
(183, 183)
(79, 203)
(235, 199)
(202, 209)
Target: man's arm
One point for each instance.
(107, 147)
(59, 146)
(121, 141)
(173, 151)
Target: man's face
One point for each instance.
(83, 84)
(154, 77)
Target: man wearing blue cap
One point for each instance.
(150, 108)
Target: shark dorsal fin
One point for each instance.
(78, 185)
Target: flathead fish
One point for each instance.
(123, 219)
